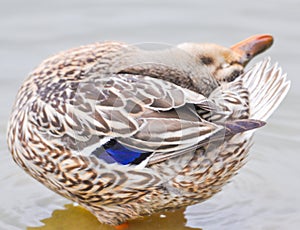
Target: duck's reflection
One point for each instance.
(75, 218)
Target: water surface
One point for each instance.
(266, 192)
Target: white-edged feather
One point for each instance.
(267, 87)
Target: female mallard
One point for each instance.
(126, 132)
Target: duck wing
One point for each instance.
(143, 113)
(120, 109)
(135, 116)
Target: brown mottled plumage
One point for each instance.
(185, 110)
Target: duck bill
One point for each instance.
(250, 47)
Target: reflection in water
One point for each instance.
(77, 218)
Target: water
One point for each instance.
(266, 192)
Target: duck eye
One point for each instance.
(206, 60)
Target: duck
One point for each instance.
(126, 132)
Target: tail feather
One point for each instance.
(239, 126)
(267, 87)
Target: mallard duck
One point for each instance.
(126, 132)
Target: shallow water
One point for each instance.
(266, 192)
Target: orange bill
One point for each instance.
(250, 47)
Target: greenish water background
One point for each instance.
(266, 192)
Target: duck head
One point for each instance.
(225, 64)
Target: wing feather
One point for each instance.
(135, 101)
(142, 112)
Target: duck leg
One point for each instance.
(123, 226)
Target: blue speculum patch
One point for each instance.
(114, 152)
